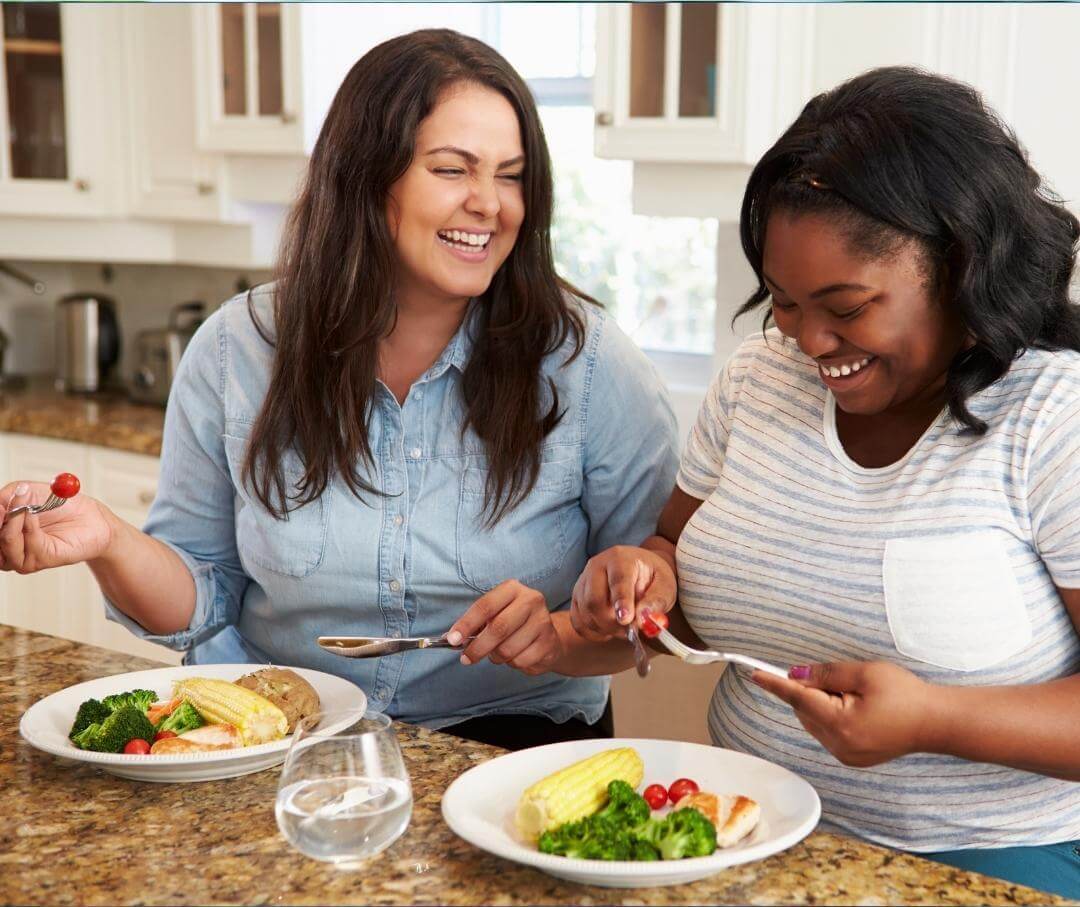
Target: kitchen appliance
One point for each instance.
(157, 353)
(87, 341)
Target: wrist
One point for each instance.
(939, 719)
(110, 553)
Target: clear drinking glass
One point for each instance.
(344, 793)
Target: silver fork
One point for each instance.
(708, 656)
(51, 503)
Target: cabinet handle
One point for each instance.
(146, 498)
(603, 118)
(81, 186)
(288, 117)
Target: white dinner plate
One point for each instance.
(479, 807)
(46, 724)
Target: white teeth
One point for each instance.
(468, 241)
(842, 371)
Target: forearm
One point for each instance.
(582, 658)
(145, 578)
(1035, 727)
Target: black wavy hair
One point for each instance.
(898, 154)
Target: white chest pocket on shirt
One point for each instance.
(954, 601)
(292, 547)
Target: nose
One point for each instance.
(815, 337)
(483, 197)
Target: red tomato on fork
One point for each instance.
(653, 622)
(65, 485)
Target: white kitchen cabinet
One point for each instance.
(248, 77)
(169, 177)
(66, 601)
(55, 120)
(696, 82)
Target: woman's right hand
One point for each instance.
(615, 587)
(76, 532)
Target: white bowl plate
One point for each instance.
(45, 725)
(479, 807)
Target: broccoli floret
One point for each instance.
(183, 718)
(624, 807)
(643, 850)
(138, 699)
(588, 839)
(683, 833)
(115, 731)
(90, 712)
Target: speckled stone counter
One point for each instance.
(74, 835)
(107, 419)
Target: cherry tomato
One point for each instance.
(163, 735)
(65, 485)
(681, 788)
(137, 747)
(653, 622)
(655, 795)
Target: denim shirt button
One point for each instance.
(415, 453)
(398, 520)
(395, 586)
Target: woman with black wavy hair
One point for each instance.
(883, 489)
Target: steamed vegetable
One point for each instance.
(116, 731)
(222, 702)
(185, 717)
(90, 712)
(137, 699)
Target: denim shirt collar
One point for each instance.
(459, 349)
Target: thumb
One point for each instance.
(831, 676)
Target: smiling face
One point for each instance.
(880, 335)
(456, 211)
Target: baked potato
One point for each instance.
(286, 689)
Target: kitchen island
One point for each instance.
(76, 835)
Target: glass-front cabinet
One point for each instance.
(51, 110)
(690, 82)
(247, 67)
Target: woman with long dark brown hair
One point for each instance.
(417, 423)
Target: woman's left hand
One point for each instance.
(513, 626)
(863, 712)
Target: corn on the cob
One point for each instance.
(219, 702)
(575, 791)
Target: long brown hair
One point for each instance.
(334, 298)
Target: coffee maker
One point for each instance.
(87, 341)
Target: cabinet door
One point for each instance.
(53, 111)
(126, 483)
(53, 601)
(696, 82)
(247, 76)
(168, 176)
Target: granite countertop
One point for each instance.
(107, 419)
(75, 835)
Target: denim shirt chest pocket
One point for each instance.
(290, 547)
(529, 543)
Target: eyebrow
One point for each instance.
(824, 291)
(472, 158)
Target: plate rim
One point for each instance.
(175, 760)
(697, 867)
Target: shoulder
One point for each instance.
(1039, 386)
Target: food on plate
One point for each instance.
(576, 791)
(706, 803)
(65, 485)
(734, 815)
(114, 732)
(652, 622)
(136, 747)
(222, 702)
(625, 829)
(136, 699)
(681, 787)
(184, 717)
(656, 796)
(207, 738)
(287, 690)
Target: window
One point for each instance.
(657, 276)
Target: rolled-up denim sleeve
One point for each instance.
(631, 443)
(193, 510)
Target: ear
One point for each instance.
(393, 214)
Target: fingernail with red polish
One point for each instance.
(799, 672)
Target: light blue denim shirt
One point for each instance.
(410, 562)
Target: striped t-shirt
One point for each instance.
(944, 562)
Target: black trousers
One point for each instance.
(518, 732)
